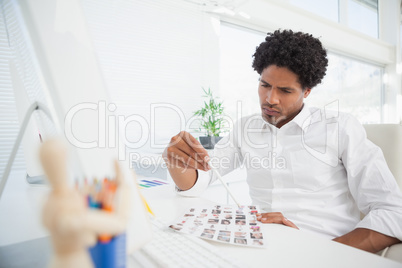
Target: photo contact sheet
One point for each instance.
(223, 223)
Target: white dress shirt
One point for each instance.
(319, 170)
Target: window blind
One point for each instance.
(8, 112)
(16, 46)
(154, 54)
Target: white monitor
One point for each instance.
(73, 80)
(28, 89)
(76, 98)
(40, 124)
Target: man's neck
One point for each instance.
(287, 120)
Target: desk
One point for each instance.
(23, 240)
(20, 223)
(286, 247)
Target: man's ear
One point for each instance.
(306, 92)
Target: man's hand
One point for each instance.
(275, 217)
(183, 156)
(185, 151)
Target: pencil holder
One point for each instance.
(111, 254)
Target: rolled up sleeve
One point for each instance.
(371, 183)
(203, 180)
(387, 222)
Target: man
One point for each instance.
(314, 166)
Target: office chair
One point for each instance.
(389, 138)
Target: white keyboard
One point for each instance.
(171, 249)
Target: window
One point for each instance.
(238, 80)
(362, 16)
(21, 85)
(355, 86)
(153, 53)
(8, 112)
(352, 86)
(326, 8)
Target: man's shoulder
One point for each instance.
(328, 114)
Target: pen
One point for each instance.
(224, 184)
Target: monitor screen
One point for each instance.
(70, 85)
(73, 81)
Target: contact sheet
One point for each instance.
(223, 223)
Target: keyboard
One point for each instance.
(172, 249)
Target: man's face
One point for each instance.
(281, 95)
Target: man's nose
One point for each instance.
(272, 96)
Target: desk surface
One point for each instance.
(20, 210)
(21, 204)
(286, 247)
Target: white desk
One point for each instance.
(20, 222)
(23, 239)
(286, 247)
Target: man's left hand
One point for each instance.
(275, 217)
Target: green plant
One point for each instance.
(211, 115)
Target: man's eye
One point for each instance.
(265, 85)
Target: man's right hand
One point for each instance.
(183, 156)
(184, 151)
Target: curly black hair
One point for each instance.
(301, 53)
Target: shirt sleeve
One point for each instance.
(371, 183)
(225, 158)
(203, 180)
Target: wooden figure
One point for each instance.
(72, 225)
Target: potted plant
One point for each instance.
(211, 117)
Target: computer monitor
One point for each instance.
(28, 90)
(40, 125)
(73, 81)
(77, 99)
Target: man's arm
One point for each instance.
(366, 239)
(183, 156)
(184, 178)
(374, 189)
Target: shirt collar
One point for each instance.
(302, 119)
